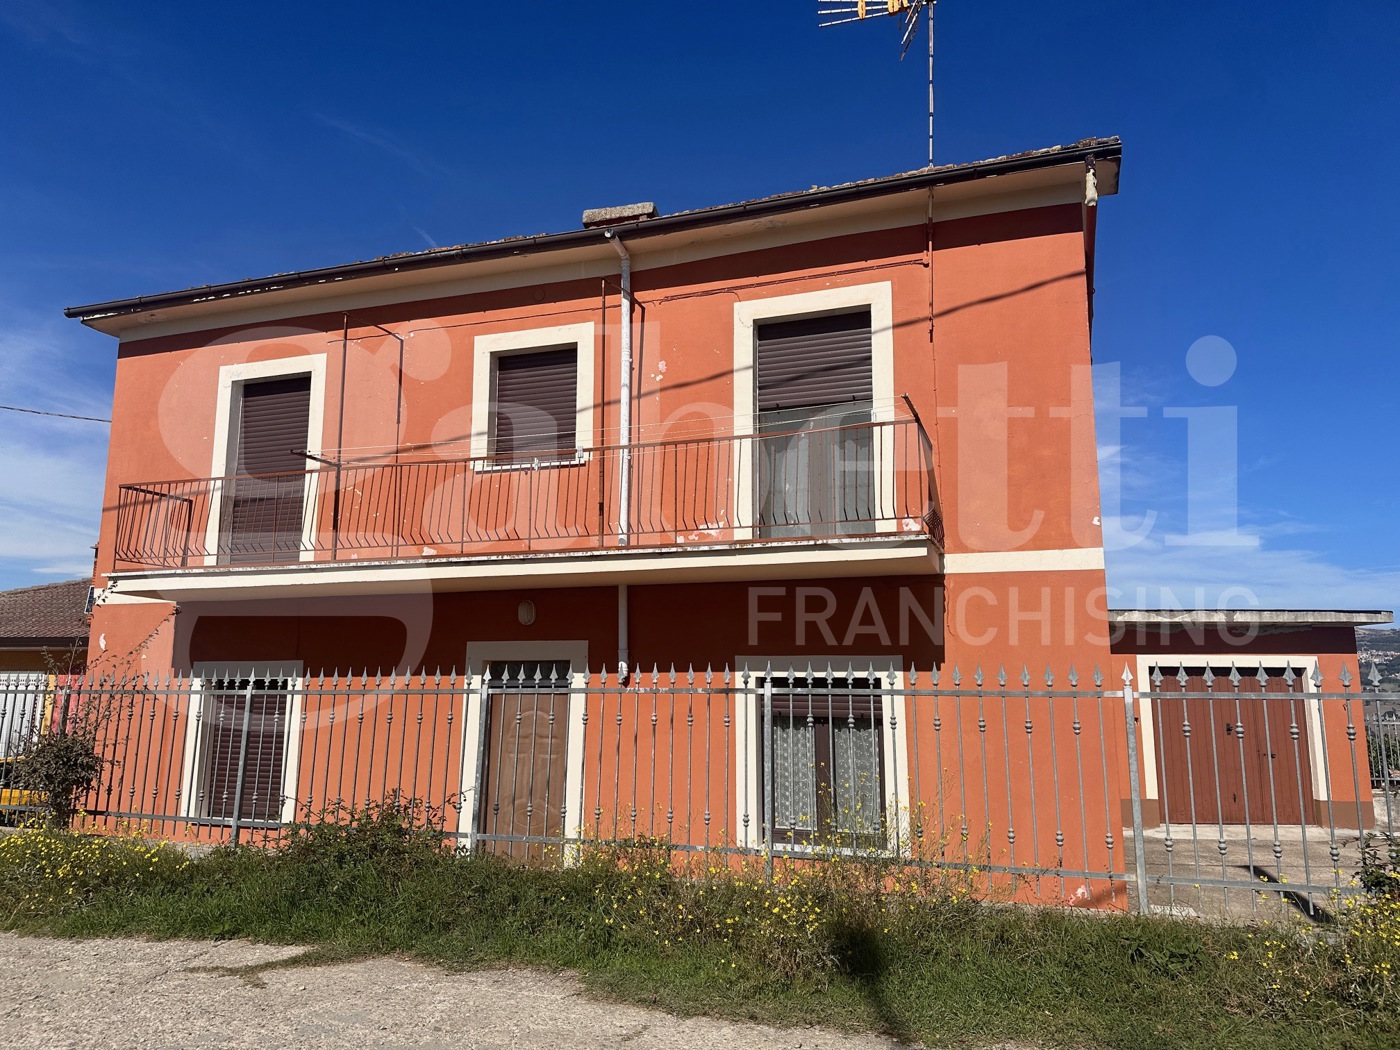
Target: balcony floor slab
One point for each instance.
(786, 560)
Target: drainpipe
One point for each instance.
(624, 427)
(1090, 214)
(624, 404)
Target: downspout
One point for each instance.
(624, 403)
(624, 427)
(1090, 214)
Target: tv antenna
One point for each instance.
(840, 12)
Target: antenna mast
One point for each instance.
(929, 8)
(839, 12)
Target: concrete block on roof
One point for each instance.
(621, 213)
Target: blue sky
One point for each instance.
(159, 145)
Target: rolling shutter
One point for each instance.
(273, 423)
(261, 767)
(264, 516)
(814, 361)
(536, 408)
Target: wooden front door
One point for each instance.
(523, 786)
(1236, 755)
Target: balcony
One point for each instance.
(805, 490)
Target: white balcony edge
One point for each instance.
(797, 559)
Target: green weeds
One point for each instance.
(851, 945)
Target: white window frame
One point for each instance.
(485, 351)
(748, 741)
(480, 657)
(192, 772)
(1248, 665)
(229, 404)
(878, 297)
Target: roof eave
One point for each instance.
(1104, 151)
(1233, 617)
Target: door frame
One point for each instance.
(480, 656)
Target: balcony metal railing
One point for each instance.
(861, 479)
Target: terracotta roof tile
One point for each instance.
(48, 611)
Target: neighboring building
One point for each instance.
(1211, 770)
(43, 641)
(847, 429)
(45, 628)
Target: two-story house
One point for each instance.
(812, 443)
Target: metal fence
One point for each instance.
(1209, 791)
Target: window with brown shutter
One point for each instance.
(815, 460)
(814, 361)
(273, 420)
(245, 743)
(265, 510)
(535, 404)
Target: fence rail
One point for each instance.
(1204, 791)
(864, 478)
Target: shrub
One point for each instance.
(395, 832)
(1380, 865)
(60, 767)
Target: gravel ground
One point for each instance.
(124, 993)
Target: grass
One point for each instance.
(923, 963)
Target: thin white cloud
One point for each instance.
(383, 142)
(64, 571)
(1153, 574)
(81, 33)
(44, 22)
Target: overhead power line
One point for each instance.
(56, 415)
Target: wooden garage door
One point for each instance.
(1234, 756)
(527, 725)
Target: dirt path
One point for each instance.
(56, 993)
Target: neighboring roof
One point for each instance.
(1231, 617)
(1107, 151)
(49, 614)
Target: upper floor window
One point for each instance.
(534, 407)
(814, 362)
(532, 394)
(815, 447)
(265, 504)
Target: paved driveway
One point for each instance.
(86, 994)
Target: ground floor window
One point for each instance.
(825, 745)
(242, 761)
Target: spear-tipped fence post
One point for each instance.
(1135, 790)
(242, 760)
(768, 792)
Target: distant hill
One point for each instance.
(1383, 649)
